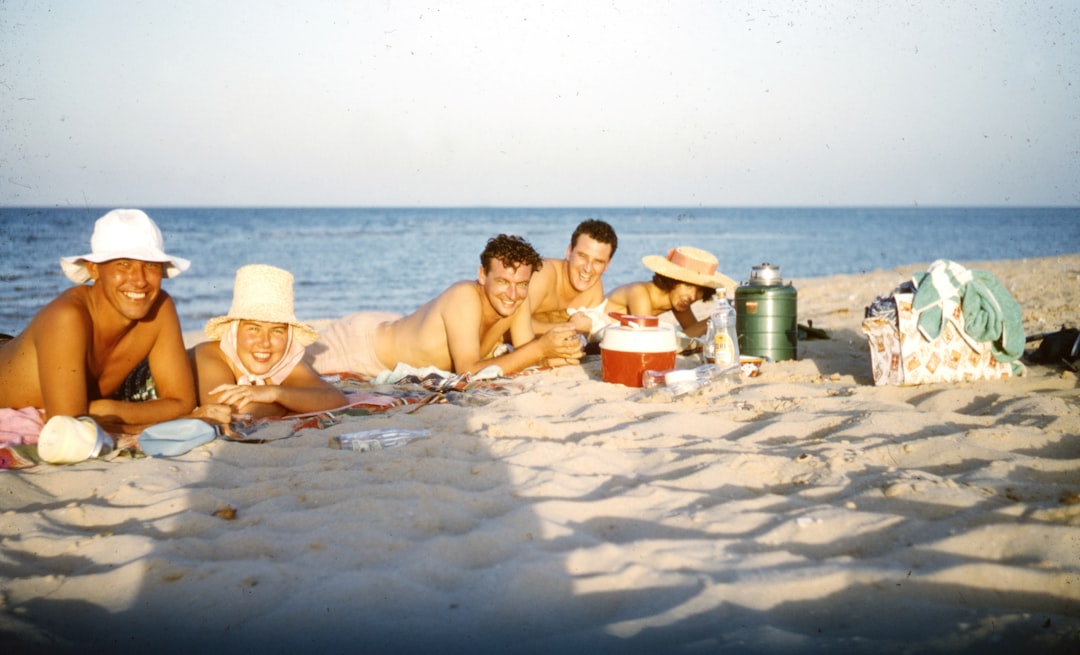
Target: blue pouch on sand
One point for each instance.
(177, 437)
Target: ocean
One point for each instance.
(395, 259)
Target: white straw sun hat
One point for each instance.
(691, 265)
(124, 234)
(262, 293)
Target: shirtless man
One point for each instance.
(684, 277)
(573, 282)
(80, 349)
(459, 330)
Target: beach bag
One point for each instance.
(177, 437)
(902, 355)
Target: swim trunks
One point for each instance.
(138, 386)
(347, 345)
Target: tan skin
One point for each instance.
(458, 330)
(259, 345)
(575, 281)
(81, 347)
(647, 299)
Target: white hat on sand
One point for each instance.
(691, 265)
(67, 440)
(262, 293)
(124, 234)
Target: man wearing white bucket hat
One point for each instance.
(684, 277)
(77, 353)
(253, 362)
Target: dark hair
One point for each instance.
(665, 284)
(598, 230)
(512, 251)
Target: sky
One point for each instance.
(556, 103)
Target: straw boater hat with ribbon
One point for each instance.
(262, 293)
(123, 234)
(690, 265)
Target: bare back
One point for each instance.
(639, 298)
(449, 332)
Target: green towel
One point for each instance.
(991, 315)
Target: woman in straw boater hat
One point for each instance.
(252, 364)
(684, 277)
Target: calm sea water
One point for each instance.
(396, 259)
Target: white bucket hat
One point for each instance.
(67, 440)
(262, 293)
(690, 265)
(124, 234)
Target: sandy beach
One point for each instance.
(802, 510)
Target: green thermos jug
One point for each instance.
(766, 315)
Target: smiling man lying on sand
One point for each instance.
(575, 282)
(459, 330)
(112, 350)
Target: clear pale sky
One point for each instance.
(629, 103)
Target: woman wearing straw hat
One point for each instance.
(684, 277)
(252, 364)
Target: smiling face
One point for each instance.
(131, 286)
(261, 345)
(586, 261)
(505, 287)
(683, 295)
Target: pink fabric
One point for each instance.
(294, 352)
(347, 345)
(679, 258)
(20, 427)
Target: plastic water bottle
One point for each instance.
(676, 383)
(368, 440)
(721, 346)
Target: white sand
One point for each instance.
(804, 510)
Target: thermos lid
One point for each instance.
(766, 274)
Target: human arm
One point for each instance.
(171, 370)
(460, 316)
(690, 324)
(62, 333)
(301, 392)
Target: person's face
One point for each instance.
(130, 285)
(261, 345)
(506, 288)
(587, 260)
(684, 295)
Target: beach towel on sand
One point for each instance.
(991, 315)
(20, 427)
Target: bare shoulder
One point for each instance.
(207, 349)
(68, 310)
(547, 273)
(464, 291)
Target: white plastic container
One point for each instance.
(627, 351)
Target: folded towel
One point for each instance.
(599, 317)
(991, 315)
